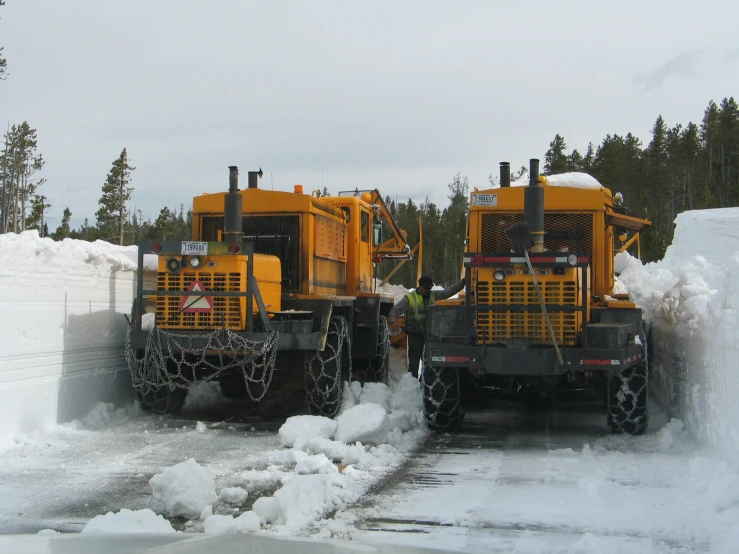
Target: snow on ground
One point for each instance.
(310, 472)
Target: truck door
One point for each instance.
(365, 251)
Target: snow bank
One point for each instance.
(185, 489)
(691, 300)
(63, 342)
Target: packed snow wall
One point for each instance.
(691, 299)
(62, 329)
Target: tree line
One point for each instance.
(682, 168)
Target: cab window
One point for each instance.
(365, 233)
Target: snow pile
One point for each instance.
(691, 300)
(63, 351)
(28, 250)
(334, 462)
(397, 291)
(128, 521)
(185, 489)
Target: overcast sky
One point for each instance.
(398, 96)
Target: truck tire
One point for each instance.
(378, 370)
(233, 388)
(442, 398)
(627, 400)
(163, 400)
(325, 371)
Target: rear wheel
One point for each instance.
(325, 371)
(442, 398)
(627, 399)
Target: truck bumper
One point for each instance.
(531, 361)
(186, 341)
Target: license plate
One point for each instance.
(190, 248)
(484, 199)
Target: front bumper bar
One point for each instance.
(184, 341)
(531, 361)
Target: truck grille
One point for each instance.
(571, 231)
(226, 310)
(286, 225)
(496, 327)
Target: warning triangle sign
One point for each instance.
(196, 303)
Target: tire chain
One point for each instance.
(255, 359)
(320, 397)
(638, 415)
(447, 408)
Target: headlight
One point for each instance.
(173, 265)
(572, 259)
(195, 262)
(498, 275)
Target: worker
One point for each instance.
(413, 305)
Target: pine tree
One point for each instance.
(111, 217)
(37, 217)
(555, 160)
(3, 61)
(64, 231)
(18, 164)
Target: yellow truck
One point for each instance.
(538, 312)
(272, 287)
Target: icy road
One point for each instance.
(536, 477)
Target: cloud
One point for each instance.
(685, 65)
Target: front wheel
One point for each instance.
(442, 398)
(627, 399)
(325, 371)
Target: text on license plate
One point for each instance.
(190, 248)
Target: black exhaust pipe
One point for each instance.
(232, 208)
(533, 206)
(505, 175)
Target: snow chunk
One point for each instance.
(315, 464)
(233, 495)
(128, 521)
(306, 498)
(185, 489)
(376, 393)
(200, 427)
(401, 420)
(204, 395)
(268, 509)
(333, 450)
(666, 436)
(306, 427)
(367, 423)
(248, 522)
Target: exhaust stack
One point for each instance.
(533, 206)
(232, 208)
(505, 175)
